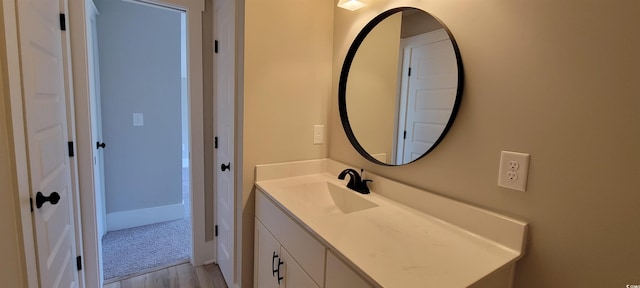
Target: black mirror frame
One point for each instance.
(344, 75)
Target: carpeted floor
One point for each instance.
(129, 251)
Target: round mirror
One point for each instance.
(400, 86)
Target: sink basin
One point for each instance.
(324, 198)
(346, 200)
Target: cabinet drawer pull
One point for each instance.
(273, 265)
(279, 277)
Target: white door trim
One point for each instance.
(202, 251)
(71, 132)
(19, 138)
(239, 224)
(84, 152)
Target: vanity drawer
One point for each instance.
(303, 247)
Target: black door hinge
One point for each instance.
(31, 203)
(63, 22)
(215, 142)
(79, 263)
(409, 71)
(215, 46)
(70, 148)
(215, 231)
(405, 134)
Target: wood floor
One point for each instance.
(180, 276)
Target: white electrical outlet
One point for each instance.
(513, 171)
(513, 165)
(318, 134)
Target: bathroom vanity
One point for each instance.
(311, 231)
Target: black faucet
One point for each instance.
(356, 183)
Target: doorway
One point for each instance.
(141, 113)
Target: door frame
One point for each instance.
(202, 250)
(13, 78)
(92, 13)
(13, 83)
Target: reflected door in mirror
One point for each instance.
(428, 93)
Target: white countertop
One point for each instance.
(393, 244)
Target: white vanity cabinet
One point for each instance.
(284, 250)
(266, 262)
(279, 238)
(274, 266)
(339, 275)
(396, 236)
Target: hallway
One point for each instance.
(131, 251)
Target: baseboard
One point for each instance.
(145, 216)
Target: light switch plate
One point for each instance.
(514, 169)
(318, 134)
(138, 119)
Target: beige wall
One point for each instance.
(373, 88)
(12, 266)
(558, 80)
(287, 90)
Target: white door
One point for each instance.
(224, 100)
(44, 98)
(96, 119)
(430, 91)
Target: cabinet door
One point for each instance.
(306, 249)
(339, 275)
(265, 247)
(294, 275)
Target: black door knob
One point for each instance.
(225, 167)
(41, 199)
(100, 145)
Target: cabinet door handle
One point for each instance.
(273, 265)
(279, 277)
